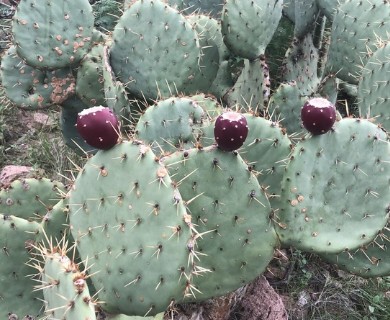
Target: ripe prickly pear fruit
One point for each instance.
(230, 130)
(318, 115)
(99, 127)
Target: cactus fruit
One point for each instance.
(68, 119)
(318, 115)
(327, 179)
(53, 36)
(230, 130)
(99, 127)
(133, 216)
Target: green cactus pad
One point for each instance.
(328, 88)
(30, 198)
(154, 57)
(248, 26)
(356, 28)
(212, 8)
(285, 107)
(300, 65)
(223, 81)
(207, 28)
(266, 150)
(231, 214)
(170, 123)
(65, 289)
(89, 84)
(371, 260)
(305, 12)
(335, 192)
(115, 93)
(17, 236)
(251, 89)
(374, 87)
(31, 88)
(130, 228)
(49, 34)
(209, 104)
(329, 7)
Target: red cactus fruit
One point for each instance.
(230, 130)
(318, 115)
(99, 127)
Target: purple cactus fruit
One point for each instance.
(230, 130)
(318, 115)
(99, 127)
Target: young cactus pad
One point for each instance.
(130, 228)
(335, 192)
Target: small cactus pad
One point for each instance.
(99, 127)
(17, 238)
(230, 130)
(248, 26)
(318, 115)
(335, 192)
(155, 50)
(374, 87)
(170, 123)
(130, 228)
(235, 239)
(30, 198)
(49, 35)
(65, 287)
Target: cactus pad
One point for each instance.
(335, 193)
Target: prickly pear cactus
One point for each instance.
(43, 28)
(327, 180)
(64, 287)
(170, 124)
(154, 57)
(30, 198)
(370, 260)
(355, 30)
(18, 277)
(374, 87)
(130, 228)
(248, 26)
(31, 88)
(231, 215)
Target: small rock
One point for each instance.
(11, 173)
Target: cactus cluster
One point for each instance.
(205, 166)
